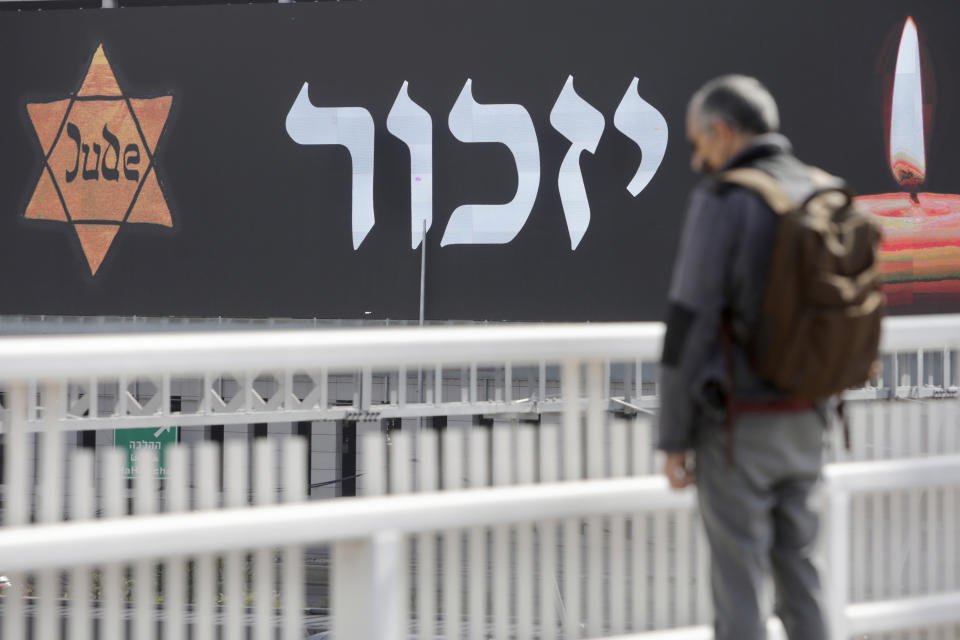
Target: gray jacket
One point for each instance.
(721, 264)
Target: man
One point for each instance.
(754, 490)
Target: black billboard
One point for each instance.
(283, 160)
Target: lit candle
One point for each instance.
(920, 254)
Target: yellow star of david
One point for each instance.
(99, 168)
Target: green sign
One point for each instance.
(155, 439)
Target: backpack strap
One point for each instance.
(824, 183)
(823, 180)
(763, 184)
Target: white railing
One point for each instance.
(370, 550)
(207, 377)
(570, 572)
(907, 482)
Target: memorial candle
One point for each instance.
(920, 254)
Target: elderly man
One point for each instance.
(754, 481)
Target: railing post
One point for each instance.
(50, 498)
(16, 513)
(542, 382)
(895, 368)
(572, 438)
(365, 593)
(945, 370)
(366, 389)
(836, 541)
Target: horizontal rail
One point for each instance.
(702, 632)
(124, 539)
(894, 475)
(863, 618)
(906, 333)
(889, 615)
(195, 352)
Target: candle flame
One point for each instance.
(907, 153)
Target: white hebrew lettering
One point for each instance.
(411, 123)
(582, 124)
(646, 126)
(351, 127)
(511, 125)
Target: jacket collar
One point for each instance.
(762, 146)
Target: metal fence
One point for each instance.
(549, 531)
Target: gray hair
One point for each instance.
(740, 101)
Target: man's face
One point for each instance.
(713, 145)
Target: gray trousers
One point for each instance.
(760, 523)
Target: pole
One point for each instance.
(423, 279)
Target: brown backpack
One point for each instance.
(819, 325)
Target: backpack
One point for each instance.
(818, 332)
